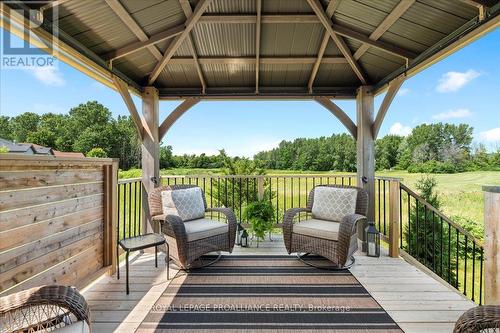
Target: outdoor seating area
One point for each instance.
(69, 225)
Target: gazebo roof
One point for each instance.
(276, 48)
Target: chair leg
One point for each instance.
(156, 256)
(126, 263)
(167, 259)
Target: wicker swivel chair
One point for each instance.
(45, 309)
(332, 238)
(485, 318)
(189, 240)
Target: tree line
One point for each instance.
(89, 128)
(430, 148)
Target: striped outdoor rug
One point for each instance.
(266, 294)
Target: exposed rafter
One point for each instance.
(290, 18)
(52, 4)
(252, 60)
(339, 113)
(330, 10)
(174, 45)
(129, 21)
(188, 11)
(136, 46)
(339, 41)
(257, 44)
(389, 20)
(176, 114)
(122, 88)
(386, 103)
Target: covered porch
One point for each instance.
(61, 218)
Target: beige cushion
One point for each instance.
(318, 228)
(333, 203)
(203, 228)
(186, 203)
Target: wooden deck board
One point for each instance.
(415, 300)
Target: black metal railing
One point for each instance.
(441, 245)
(129, 208)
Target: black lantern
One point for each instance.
(239, 229)
(372, 238)
(244, 239)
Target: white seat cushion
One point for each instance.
(333, 203)
(203, 228)
(318, 228)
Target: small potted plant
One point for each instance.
(260, 215)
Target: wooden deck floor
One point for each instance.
(415, 300)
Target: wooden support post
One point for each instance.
(491, 244)
(260, 188)
(394, 218)
(110, 236)
(365, 150)
(150, 153)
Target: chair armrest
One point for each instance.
(348, 230)
(288, 224)
(172, 225)
(231, 221)
(34, 300)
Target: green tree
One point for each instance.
(24, 124)
(97, 152)
(5, 128)
(426, 237)
(166, 157)
(387, 152)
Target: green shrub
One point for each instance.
(97, 152)
(260, 215)
(4, 150)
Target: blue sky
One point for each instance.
(464, 87)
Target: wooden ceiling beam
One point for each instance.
(252, 18)
(176, 114)
(52, 4)
(174, 45)
(188, 11)
(389, 20)
(341, 44)
(386, 103)
(339, 113)
(252, 60)
(136, 46)
(332, 6)
(129, 21)
(122, 88)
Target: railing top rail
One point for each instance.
(444, 217)
(128, 180)
(260, 176)
(389, 178)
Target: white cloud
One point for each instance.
(453, 114)
(48, 75)
(403, 92)
(453, 81)
(492, 135)
(400, 129)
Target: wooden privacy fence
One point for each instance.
(57, 220)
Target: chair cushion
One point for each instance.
(186, 203)
(318, 228)
(203, 228)
(333, 203)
